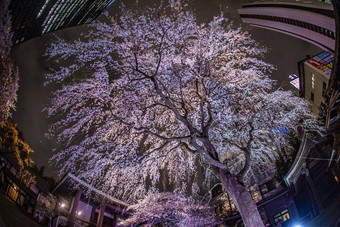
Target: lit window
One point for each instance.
(313, 80)
(34, 189)
(12, 192)
(42, 8)
(282, 216)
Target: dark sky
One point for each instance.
(285, 52)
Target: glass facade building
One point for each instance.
(31, 18)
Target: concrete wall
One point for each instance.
(319, 79)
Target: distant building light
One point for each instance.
(280, 130)
(42, 8)
(110, 3)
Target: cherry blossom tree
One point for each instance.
(155, 93)
(169, 209)
(9, 74)
(48, 205)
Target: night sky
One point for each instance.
(285, 52)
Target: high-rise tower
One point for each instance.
(31, 18)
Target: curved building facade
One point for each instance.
(312, 21)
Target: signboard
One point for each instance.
(294, 80)
(323, 62)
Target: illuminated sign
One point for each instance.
(323, 62)
(294, 80)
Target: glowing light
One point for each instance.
(294, 80)
(280, 130)
(110, 3)
(62, 205)
(42, 9)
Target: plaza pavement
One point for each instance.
(12, 216)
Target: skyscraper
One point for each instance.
(312, 21)
(31, 18)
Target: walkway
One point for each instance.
(11, 215)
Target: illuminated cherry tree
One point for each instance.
(9, 75)
(169, 209)
(155, 94)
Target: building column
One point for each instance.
(93, 214)
(101, 215)
(72, 216)
(114, 221)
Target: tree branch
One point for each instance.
(207, 155)
(242, 174)
(137, 68)
(186, 146)
(172, 107)
(209, 122)
(210, 193)
(181, 92)
(159, 51)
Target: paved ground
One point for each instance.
(330, 217)
(11, 216)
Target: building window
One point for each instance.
(13, 171)
(312, 96)
(267, 187)
(313, 81)
(34, 189)
(298, 23)
(282, 216)
(13, 193)
(324, 87)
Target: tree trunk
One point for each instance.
(242, 199)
